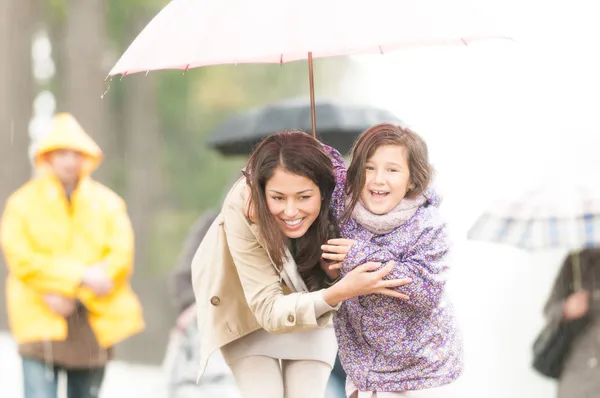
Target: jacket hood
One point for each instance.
(67, 133)
(432, 196)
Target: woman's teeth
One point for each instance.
(292, 223)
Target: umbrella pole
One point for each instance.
(311, 82)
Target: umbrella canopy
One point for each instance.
(339, 124)
(549, 217)
(192, 33)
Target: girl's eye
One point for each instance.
(276, 198)
(370, 168)
(393, 170)
(304, 197)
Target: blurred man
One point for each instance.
(68, 244)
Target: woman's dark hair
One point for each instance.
(383, 134)
(301, 154)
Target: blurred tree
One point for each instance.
(84, 67)
(152, 128)
(143, 157)
(18, 20)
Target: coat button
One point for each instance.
(290, 318)
(214, 300)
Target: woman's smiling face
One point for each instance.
(294, 201)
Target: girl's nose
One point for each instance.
(379, 178)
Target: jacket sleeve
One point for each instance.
(425, 263)
(40, 271)
(337, 204)
(563, 287)
(275, 311)
(120, 246)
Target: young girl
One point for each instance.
(388, 346)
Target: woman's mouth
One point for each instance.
(293, 224)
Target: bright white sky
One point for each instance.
(500, 115)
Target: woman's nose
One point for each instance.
(290, 209)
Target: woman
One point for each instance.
(580, 377)
(262, 294)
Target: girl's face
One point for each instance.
(294, 201)
(387, 179)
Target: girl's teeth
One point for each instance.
(293, 222)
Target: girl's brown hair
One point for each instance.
(366, 145)
(300, 154)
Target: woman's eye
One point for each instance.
(276, 198)
(370, 168)
(304, 197)
(393, 170)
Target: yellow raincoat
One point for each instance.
(48, 243)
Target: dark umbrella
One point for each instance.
(339, 124)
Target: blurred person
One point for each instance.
(182, 357)
(68, 244)
(183, 290)
(580, 376)
(390, 347)
(263, 295)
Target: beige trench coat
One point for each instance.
(238, 290)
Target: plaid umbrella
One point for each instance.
(549, 217)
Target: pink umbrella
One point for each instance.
(193, 33)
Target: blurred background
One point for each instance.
(498, 117)
(152, 129)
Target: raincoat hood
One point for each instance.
(67, 133)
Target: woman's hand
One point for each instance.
(336, 250)
(365, 279)
(330, 269)
(576, 305)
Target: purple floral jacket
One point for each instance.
(387, 344)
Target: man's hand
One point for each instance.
(60, 305)
(96, 279)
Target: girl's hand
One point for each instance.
(336, 250)
(365, 279)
